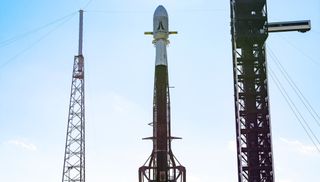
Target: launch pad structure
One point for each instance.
(250, 29)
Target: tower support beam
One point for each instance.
(288, 26)
(253, 136)
(249, 29)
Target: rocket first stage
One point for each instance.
(161, 166)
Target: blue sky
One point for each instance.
(35, 77)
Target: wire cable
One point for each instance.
(142, 11)
(300, 50)
(35, 42)
(294, 110)
(88, 3)
(11, 40)
(116, 11)
(295, 88)
(315, 31)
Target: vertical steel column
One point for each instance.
(74, 158)
(249, 33)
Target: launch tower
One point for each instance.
(249, 29)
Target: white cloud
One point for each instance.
(300, 147)
(23, 144)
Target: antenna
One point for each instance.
(80, 31)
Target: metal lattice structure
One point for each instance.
(74, 159)
(254, 148)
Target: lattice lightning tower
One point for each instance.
(74, 158)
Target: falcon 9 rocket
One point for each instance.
(162, 165)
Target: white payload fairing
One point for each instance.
(161, 34)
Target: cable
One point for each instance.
(88, 3)
(23, 35)
(295, 88)
(34, 43)
(315, 31)
(302, 52)
(294, 109)
(140, 11)
(199, 10)
(115, 11)
(291, 84)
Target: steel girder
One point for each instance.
(253, 133)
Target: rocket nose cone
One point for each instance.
(160, 12)
(160, 23)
